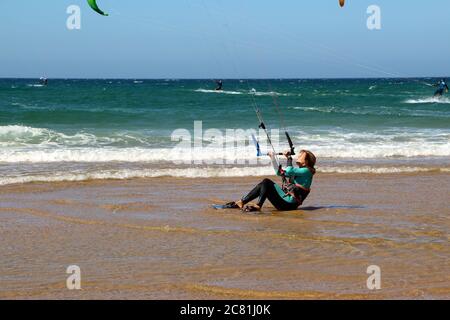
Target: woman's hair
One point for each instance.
(310, 160)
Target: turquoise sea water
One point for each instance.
(92, 129)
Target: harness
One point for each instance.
(297, 191)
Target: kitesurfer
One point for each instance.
(219, 85)
(43, 81)
(442, 86)
(291, 195)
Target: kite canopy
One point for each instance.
(94, 6)
(342, 2)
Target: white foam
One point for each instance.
(341, 150)
(218, 91)
(252, 92)
(215, 155)
(380, 150)
(199, 173)
(148, 173)
(380, 170)
(441, 100)
(24, 136)
(35, 145)
(20, 136)
(270, 93)
(132, 155)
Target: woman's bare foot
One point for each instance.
(240, 204)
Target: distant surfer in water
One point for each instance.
(219, 84)
(43, 81)
(442, 87)
(286, 198)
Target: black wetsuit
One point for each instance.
(442, 87)
(267, 190)
(219, 85)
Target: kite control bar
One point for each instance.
(288, 137)
(258, 149)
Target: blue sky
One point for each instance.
(225, 39)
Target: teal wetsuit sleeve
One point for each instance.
(294, 172)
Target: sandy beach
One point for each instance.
(159, 238)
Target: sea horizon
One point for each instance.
(231, 79)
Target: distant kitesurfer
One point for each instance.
(43, 81)
(219, 85)
(442, 87)
(286, 198)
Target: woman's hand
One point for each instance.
(287, 153)
(270, 153)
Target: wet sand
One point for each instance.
(160, 239)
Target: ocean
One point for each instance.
(76, 130)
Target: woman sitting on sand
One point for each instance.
(294, 191)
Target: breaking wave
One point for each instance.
(429, 100)
(235, 172)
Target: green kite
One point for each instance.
(93, 4)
